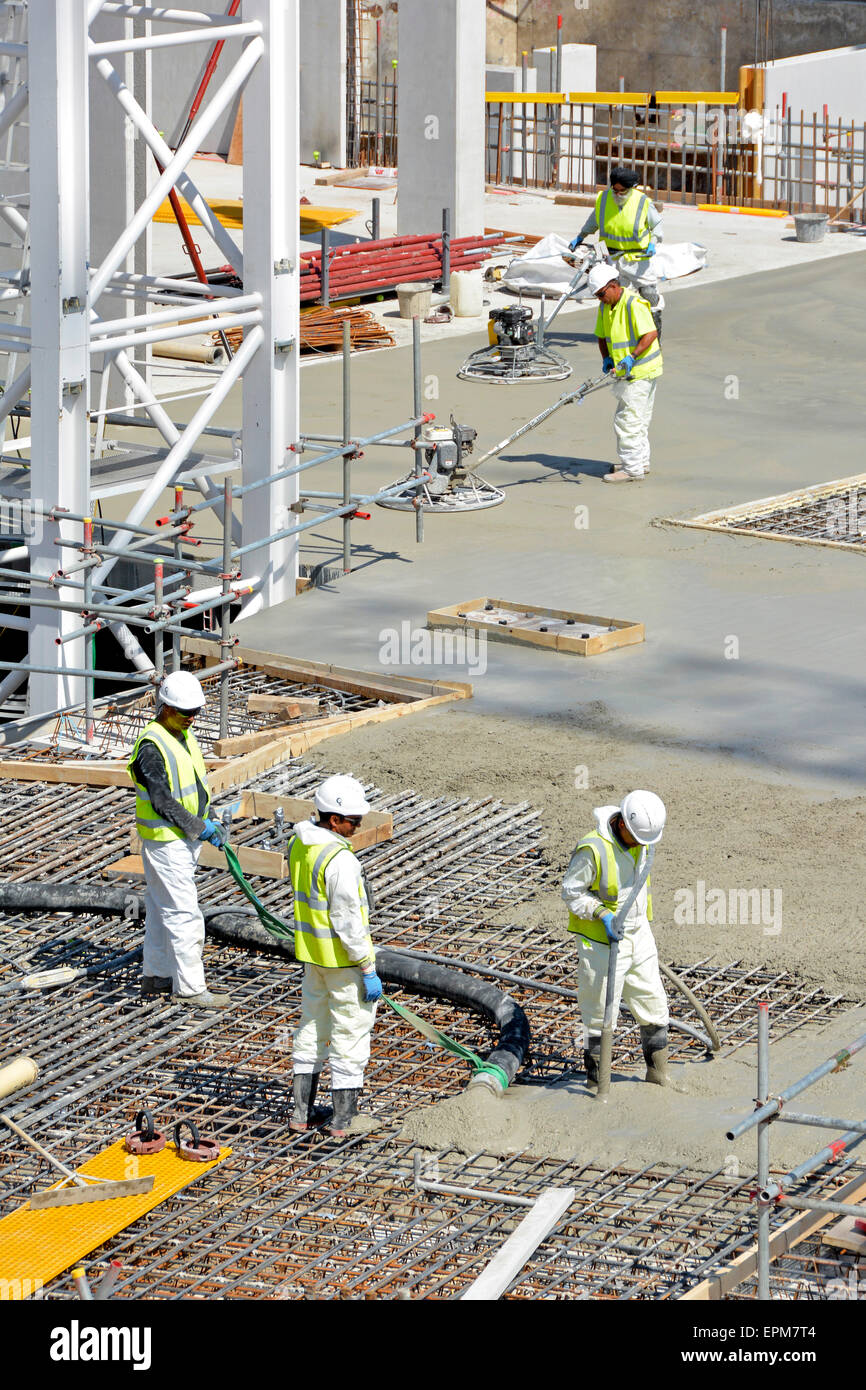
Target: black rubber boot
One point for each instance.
(590, 1058)
(345, 1110)
(305, 1115)
(657, 320)
(654, 1041)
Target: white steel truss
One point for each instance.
(49, 57)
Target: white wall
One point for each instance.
(836, 77)
(323, 81)
(578, 75)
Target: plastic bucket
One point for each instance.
(467, 294)
(414, 299)
(810, 226)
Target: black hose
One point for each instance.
(394, 966)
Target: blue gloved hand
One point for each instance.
(625, 365)
(651, 249)
(372, 987)
(607, 365)
(613, 929)
(215, 833)
(578, 241)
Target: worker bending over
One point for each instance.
(171, 816)
(599, 880)
(630, 227)
(629, 348)
(332, 938)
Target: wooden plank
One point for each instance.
(543, 1217)
(267, 863)
(845, 1236)
(247, 743)
(625, 633)
(292, 706)
(236, 144)
(130, 864)
(89, 774)
(375, 827)
(340, 677)
(785, 1238)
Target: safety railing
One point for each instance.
(688, 147)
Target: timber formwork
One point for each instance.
(296, 1216)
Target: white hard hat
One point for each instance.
(644, 815)
(599, 276)
(342, 795)
(182, 690)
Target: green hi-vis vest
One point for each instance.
(315, 938)
(624, 324)
(625, 230)
(605, 885)
(183, 763)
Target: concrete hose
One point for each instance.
(241, 929)
(695, 1003)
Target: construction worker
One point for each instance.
(171, 816)
(629, 348)
(332, 937)
(600, 878)
(630, 227)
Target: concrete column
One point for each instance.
(270, 394)
(323, 81)
(441, 116)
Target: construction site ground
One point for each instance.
(742, 709)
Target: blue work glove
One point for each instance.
(625, 365)
(612, 928)
(607, 365)
(651, 249)
(215, 833)
(372, 987)
(578, 241)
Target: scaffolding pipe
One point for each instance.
(770, 1191)
(347, 436)
(763, 1152)
(772, 1107)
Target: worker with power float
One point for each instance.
(602, 874)
(332, 937)
(171, 815)
(631, 228)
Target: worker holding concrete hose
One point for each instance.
(600, 878)
(171, 816)
(631, 228)
(629, 348)
(332, 938)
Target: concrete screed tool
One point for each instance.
(22, 1071)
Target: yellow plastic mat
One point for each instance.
(35, 1246)
(230, 212)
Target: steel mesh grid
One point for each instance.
(827, 514)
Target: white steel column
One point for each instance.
(271, 229)
(60, 318)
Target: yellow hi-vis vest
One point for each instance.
(183, 763)
(605, 885)
(625, 230)
(315, 938)
(624, 324)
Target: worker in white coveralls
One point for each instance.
(629, 348)
(631, 228)
(332, 938)
(171, 816)
(600, 878)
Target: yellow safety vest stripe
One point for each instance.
(183, 764)
(623, 229)
(316, 940)
(605, 885)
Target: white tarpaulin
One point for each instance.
(543, 271)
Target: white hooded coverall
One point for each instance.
(638, 981)
(336, 1023)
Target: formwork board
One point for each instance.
(560, 630)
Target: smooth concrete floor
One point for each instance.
(762, 393)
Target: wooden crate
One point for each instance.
(555, 628)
